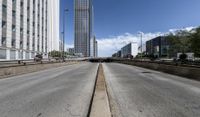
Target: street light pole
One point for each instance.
(141, 46)
(63, 53)
(141, 43)
(62, 41)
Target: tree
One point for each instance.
(55, 54)
(174, 44)
(58, 54)
(195, 42)
(179, 42)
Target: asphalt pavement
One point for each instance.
(67, 91)
(139, 92)
(56, 92)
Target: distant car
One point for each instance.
(38, 58)
(57, 58)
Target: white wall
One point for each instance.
(17, 52)
(53, 24)
(0, 21)
(131, 48)
(134, 49)
(9, 28)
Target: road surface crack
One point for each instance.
(70, 112)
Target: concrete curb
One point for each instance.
(100, 104)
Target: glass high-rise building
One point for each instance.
(83, 26)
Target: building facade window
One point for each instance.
(38, 27)
(21, 23)
(46, 42)
(4, 23)
(28, 25)
(13, 42)
(33, 34)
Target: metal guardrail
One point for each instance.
(17, 63)
(194, 64)
(174, 63)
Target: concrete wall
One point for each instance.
(53, 24)
(12, 71)
(188, 72)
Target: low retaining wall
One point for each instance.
(188, 72)
(12, 71)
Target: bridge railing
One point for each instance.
(195, 64)
(15, 63)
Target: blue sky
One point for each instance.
(122, 18)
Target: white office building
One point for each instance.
(54, 24)
(28, 27)
(129, 49)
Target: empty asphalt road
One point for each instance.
(58, 92)
(138, 92)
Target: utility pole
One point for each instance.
(141, 46)
(63, 53)
(61, 48)
(141, 34)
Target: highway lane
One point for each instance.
(57, 92)
(138, 92)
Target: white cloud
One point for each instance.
(110, 45)
(183, 29)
